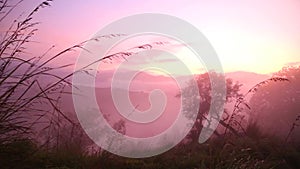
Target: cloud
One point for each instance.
(145, 81)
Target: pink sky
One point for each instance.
(257, 36)
(249, 35)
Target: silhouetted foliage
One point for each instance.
(25, 99)
(204, 86)
(275, 106)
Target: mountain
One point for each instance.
(139, 93)
(247, 79)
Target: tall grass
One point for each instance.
(236, 118)
(26, 99)
(30, 87)
(295, 124)
(31, 90)
(20, 77)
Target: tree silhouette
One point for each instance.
(189, 95)
(275, 106)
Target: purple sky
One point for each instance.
(249, 35)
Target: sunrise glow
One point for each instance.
(251, 36)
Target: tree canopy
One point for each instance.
(189, 95)
(275, 106)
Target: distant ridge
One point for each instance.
(248, 79)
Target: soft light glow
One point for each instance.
(256, 36)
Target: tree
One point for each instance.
(275, 106)
(204, 86)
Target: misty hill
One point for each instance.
(139, 93)
(247, 79)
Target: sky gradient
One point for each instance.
(255, 36)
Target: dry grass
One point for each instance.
(236, 117)
(24, 95)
